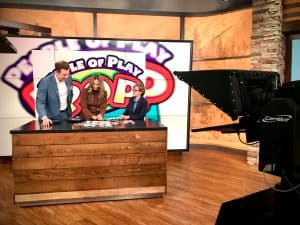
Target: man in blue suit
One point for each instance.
(54, 95)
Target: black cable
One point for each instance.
(294, 188)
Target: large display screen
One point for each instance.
(122, 63)
(295, 58)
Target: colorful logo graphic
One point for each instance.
(119, 74)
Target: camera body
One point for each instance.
(268, 112)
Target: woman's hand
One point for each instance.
(99, 117)
(124, 117)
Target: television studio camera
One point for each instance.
(268, 112)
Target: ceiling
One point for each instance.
(172, 7)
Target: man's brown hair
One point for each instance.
(61, 65)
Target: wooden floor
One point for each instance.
(198, 182)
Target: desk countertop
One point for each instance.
(78, 126)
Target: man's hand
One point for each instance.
(46, 123)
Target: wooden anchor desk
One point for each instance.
(70, 163)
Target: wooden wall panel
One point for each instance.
(291, 10)
(62, 23)
(138, 26)
(219, 36)
(220, 42)
(237, 63)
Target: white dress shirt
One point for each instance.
(63, 94)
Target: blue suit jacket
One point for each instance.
(47, 98)
(140, 110)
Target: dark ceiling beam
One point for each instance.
(6, 46)
(14, 27)
(160, 7)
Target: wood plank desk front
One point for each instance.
(71, 163)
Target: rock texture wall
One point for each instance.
(268, 42)
(268, 45)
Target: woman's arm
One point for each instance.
(103, 104)
(85, 113)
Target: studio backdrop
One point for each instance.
(121, 63)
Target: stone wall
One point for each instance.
(268, 45)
